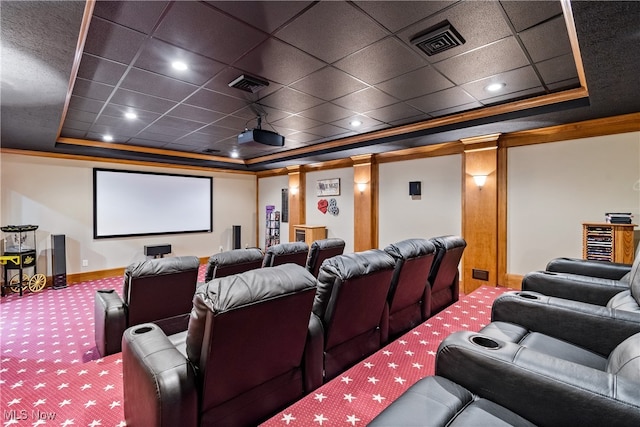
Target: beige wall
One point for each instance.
(554, 188)
(56, 194)
(437, 212)
(270, 193)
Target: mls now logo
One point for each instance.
(23, 414)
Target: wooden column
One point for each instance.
(480, 212)
(297, 189)
(365, 202)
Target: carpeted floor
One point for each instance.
(51, 373)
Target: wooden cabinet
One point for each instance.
(309, 233)
(608, 242)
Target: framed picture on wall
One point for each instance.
(328, 187)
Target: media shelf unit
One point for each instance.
(309, 233)
(608, 242)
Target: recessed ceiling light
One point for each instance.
(494, 87)
(234, 154)
(130, 115)
(107, 138)
(179, 65)
(355, 123)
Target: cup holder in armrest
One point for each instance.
(142, 330)
(528, 296)
(485, 342)
(106, 291)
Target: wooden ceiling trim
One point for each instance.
(435, 150)
(573, 39)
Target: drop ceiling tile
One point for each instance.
(564, 84)
(72, 133)
(156, 85)
(327, 130)
(149, 140)
(326, 112)
(119, 132)
(100, 70)
(117, 139)
(197, 114)
(137, 15)
(444, 99)
(328, 83)
(77, 125)
(268, 114)
(238, 124)
(215, 101)
(220, 83)
(93, 90)
(290, 100)
(218, 132)
(298, 123)
(193, 25)
(547, 40)
(456, 109)
(478, 22)
(558, 69)
(132, 127)
(157, 57)
(300, 137)
(495, 58)
(381, 61)
(115, 110)
(180, 125)
(266, 15)
(85, 104)
(332, 30)
(395, 18)
(365, 100)
(279, 62)
(365, 123)
(394, 112)
(80, 116)
(198, 139)
(408, 120)
(534, 91)
(141, 101)
(515, 81)
(112, 41)
(169, 133)
(526, 14)
(419, 82)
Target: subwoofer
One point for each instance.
(236, 237)
(58, 261)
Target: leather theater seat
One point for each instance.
(444, 275)
(321, 250)
(409, 296)
(284, 253)
(350, 310)
(241, 360)
(156, 290)
(233, 262)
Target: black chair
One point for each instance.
(321, 250)
(157, 290)
(444, 275)
(233, 262)
(409, 296)
(284, 253)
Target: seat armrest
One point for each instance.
(591, 290)
(593, 327)
(314, 355)
(110, 315)
(159, 382)
(602, 269)
(543, 389)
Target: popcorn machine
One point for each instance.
(19, 253)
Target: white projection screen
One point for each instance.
(129, 203)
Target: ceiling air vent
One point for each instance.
(248, 83)
(438, 39)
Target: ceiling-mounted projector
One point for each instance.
(261, 136)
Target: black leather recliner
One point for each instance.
(242, 359)
(409, 296)
(444, 274)
(233, 262)
(350, 314)
(284, 253)
(156, 290)
(321, 250)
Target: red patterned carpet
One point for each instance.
(51, 373)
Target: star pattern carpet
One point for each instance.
(52, 375)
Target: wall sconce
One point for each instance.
(294, 190)
(361, 187)
(480, 180)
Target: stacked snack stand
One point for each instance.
(20, 255)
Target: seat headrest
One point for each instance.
(410, 248)
(624, 360)
(157, 266)
(227, 293)
(288, 248)
(449, 242)
(330, 243)
(232, 257)
(356, 264)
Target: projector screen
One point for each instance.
(129, 203)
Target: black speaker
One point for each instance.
(157, 251)
(58, 261)
(415, 188)
(236, 237)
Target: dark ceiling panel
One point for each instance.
(394, 112)
(115, 110)
(197, 114)
(524, 14)
(328, 83)
(332, 31)
(132, 14)
(81, 116)
(290, 100)
(366, 123)
(547, 40)
(395, 18)
(141, 101)
(365, 100)
(326, 112)
(419, 82)
(298, 123)
(442, 100)
(257, 13)
(326, 131)
(85, 104)
(515, 81)
(558, 69)
(156, 85)
(91, 89)
(112, 41)
(215, 101)
(76, 126)
(100, 70)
